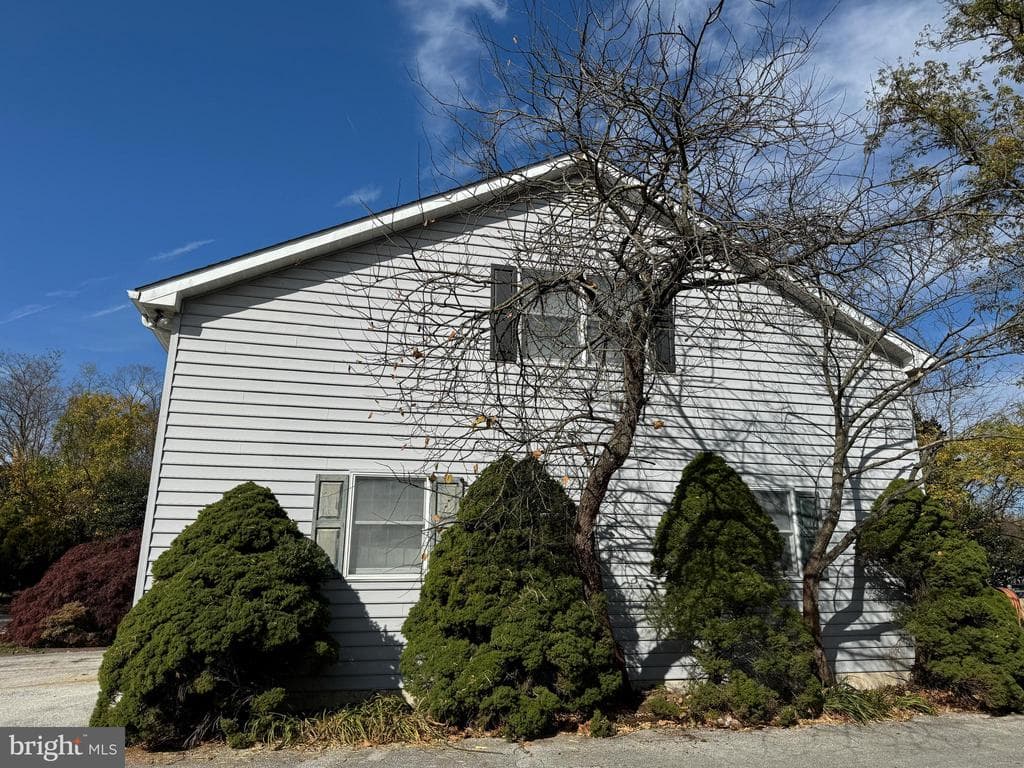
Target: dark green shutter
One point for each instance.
(504, 325)
(664, 341)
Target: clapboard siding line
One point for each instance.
(194, 400)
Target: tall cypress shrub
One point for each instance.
(234, 612)
(965, 633)
(725, 597)
(502, 635)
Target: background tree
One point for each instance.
(77, 461)
(31, 398)
(980, 480)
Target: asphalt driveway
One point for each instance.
(59, 688)
(949, 741)
(48, 689)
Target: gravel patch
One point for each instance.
(55, 688)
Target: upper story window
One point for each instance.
(796, 515)
(550, 323)
(382, 526)
(555, 322)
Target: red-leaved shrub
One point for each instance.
(81, 598)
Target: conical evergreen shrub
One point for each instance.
(502, 635)
(965, 633)
(725, 597)
(234, 612)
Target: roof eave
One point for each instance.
(166, 295)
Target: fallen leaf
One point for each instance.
(537, 453)
(659, 424)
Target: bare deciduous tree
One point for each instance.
(31, 399)
(701, 162)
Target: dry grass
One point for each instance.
(382, 719)
(845, 702)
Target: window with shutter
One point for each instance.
(796, 515)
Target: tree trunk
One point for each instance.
(817, 560)
(611, 459)
(812, 619)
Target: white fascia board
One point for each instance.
(167, 295)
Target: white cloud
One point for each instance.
(107, 311)
(364, 197)
(25, 311)
(181, 250)
(448, 49)
(861, 38)
(70, 293)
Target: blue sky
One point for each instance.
(139, 140)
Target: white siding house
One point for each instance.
(269, 379)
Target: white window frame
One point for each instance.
(792, 492)
(350, 479)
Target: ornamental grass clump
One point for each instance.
(233, 614)
(502, 636)
(966, 636)
(726, 599)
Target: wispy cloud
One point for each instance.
(70, 293)
(364, 196)
(448, 50)
(25, 311)
(181, 250)
(107, 311)
(850, 50)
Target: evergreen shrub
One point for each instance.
(502, 635)
(81, 598)
(725, 597)
(966, 634)
(233, 614)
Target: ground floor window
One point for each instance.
(797, 517)
(382, 526)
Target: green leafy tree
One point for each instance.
(502, 635)
(954, 114)
(234, 612)
(35, 528)
(980, 480)
(104, 450)
(726, 598)
(966, 634)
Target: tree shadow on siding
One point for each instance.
(368, 652)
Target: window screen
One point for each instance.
(776, 505)
(550, 322)
(387, 525)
